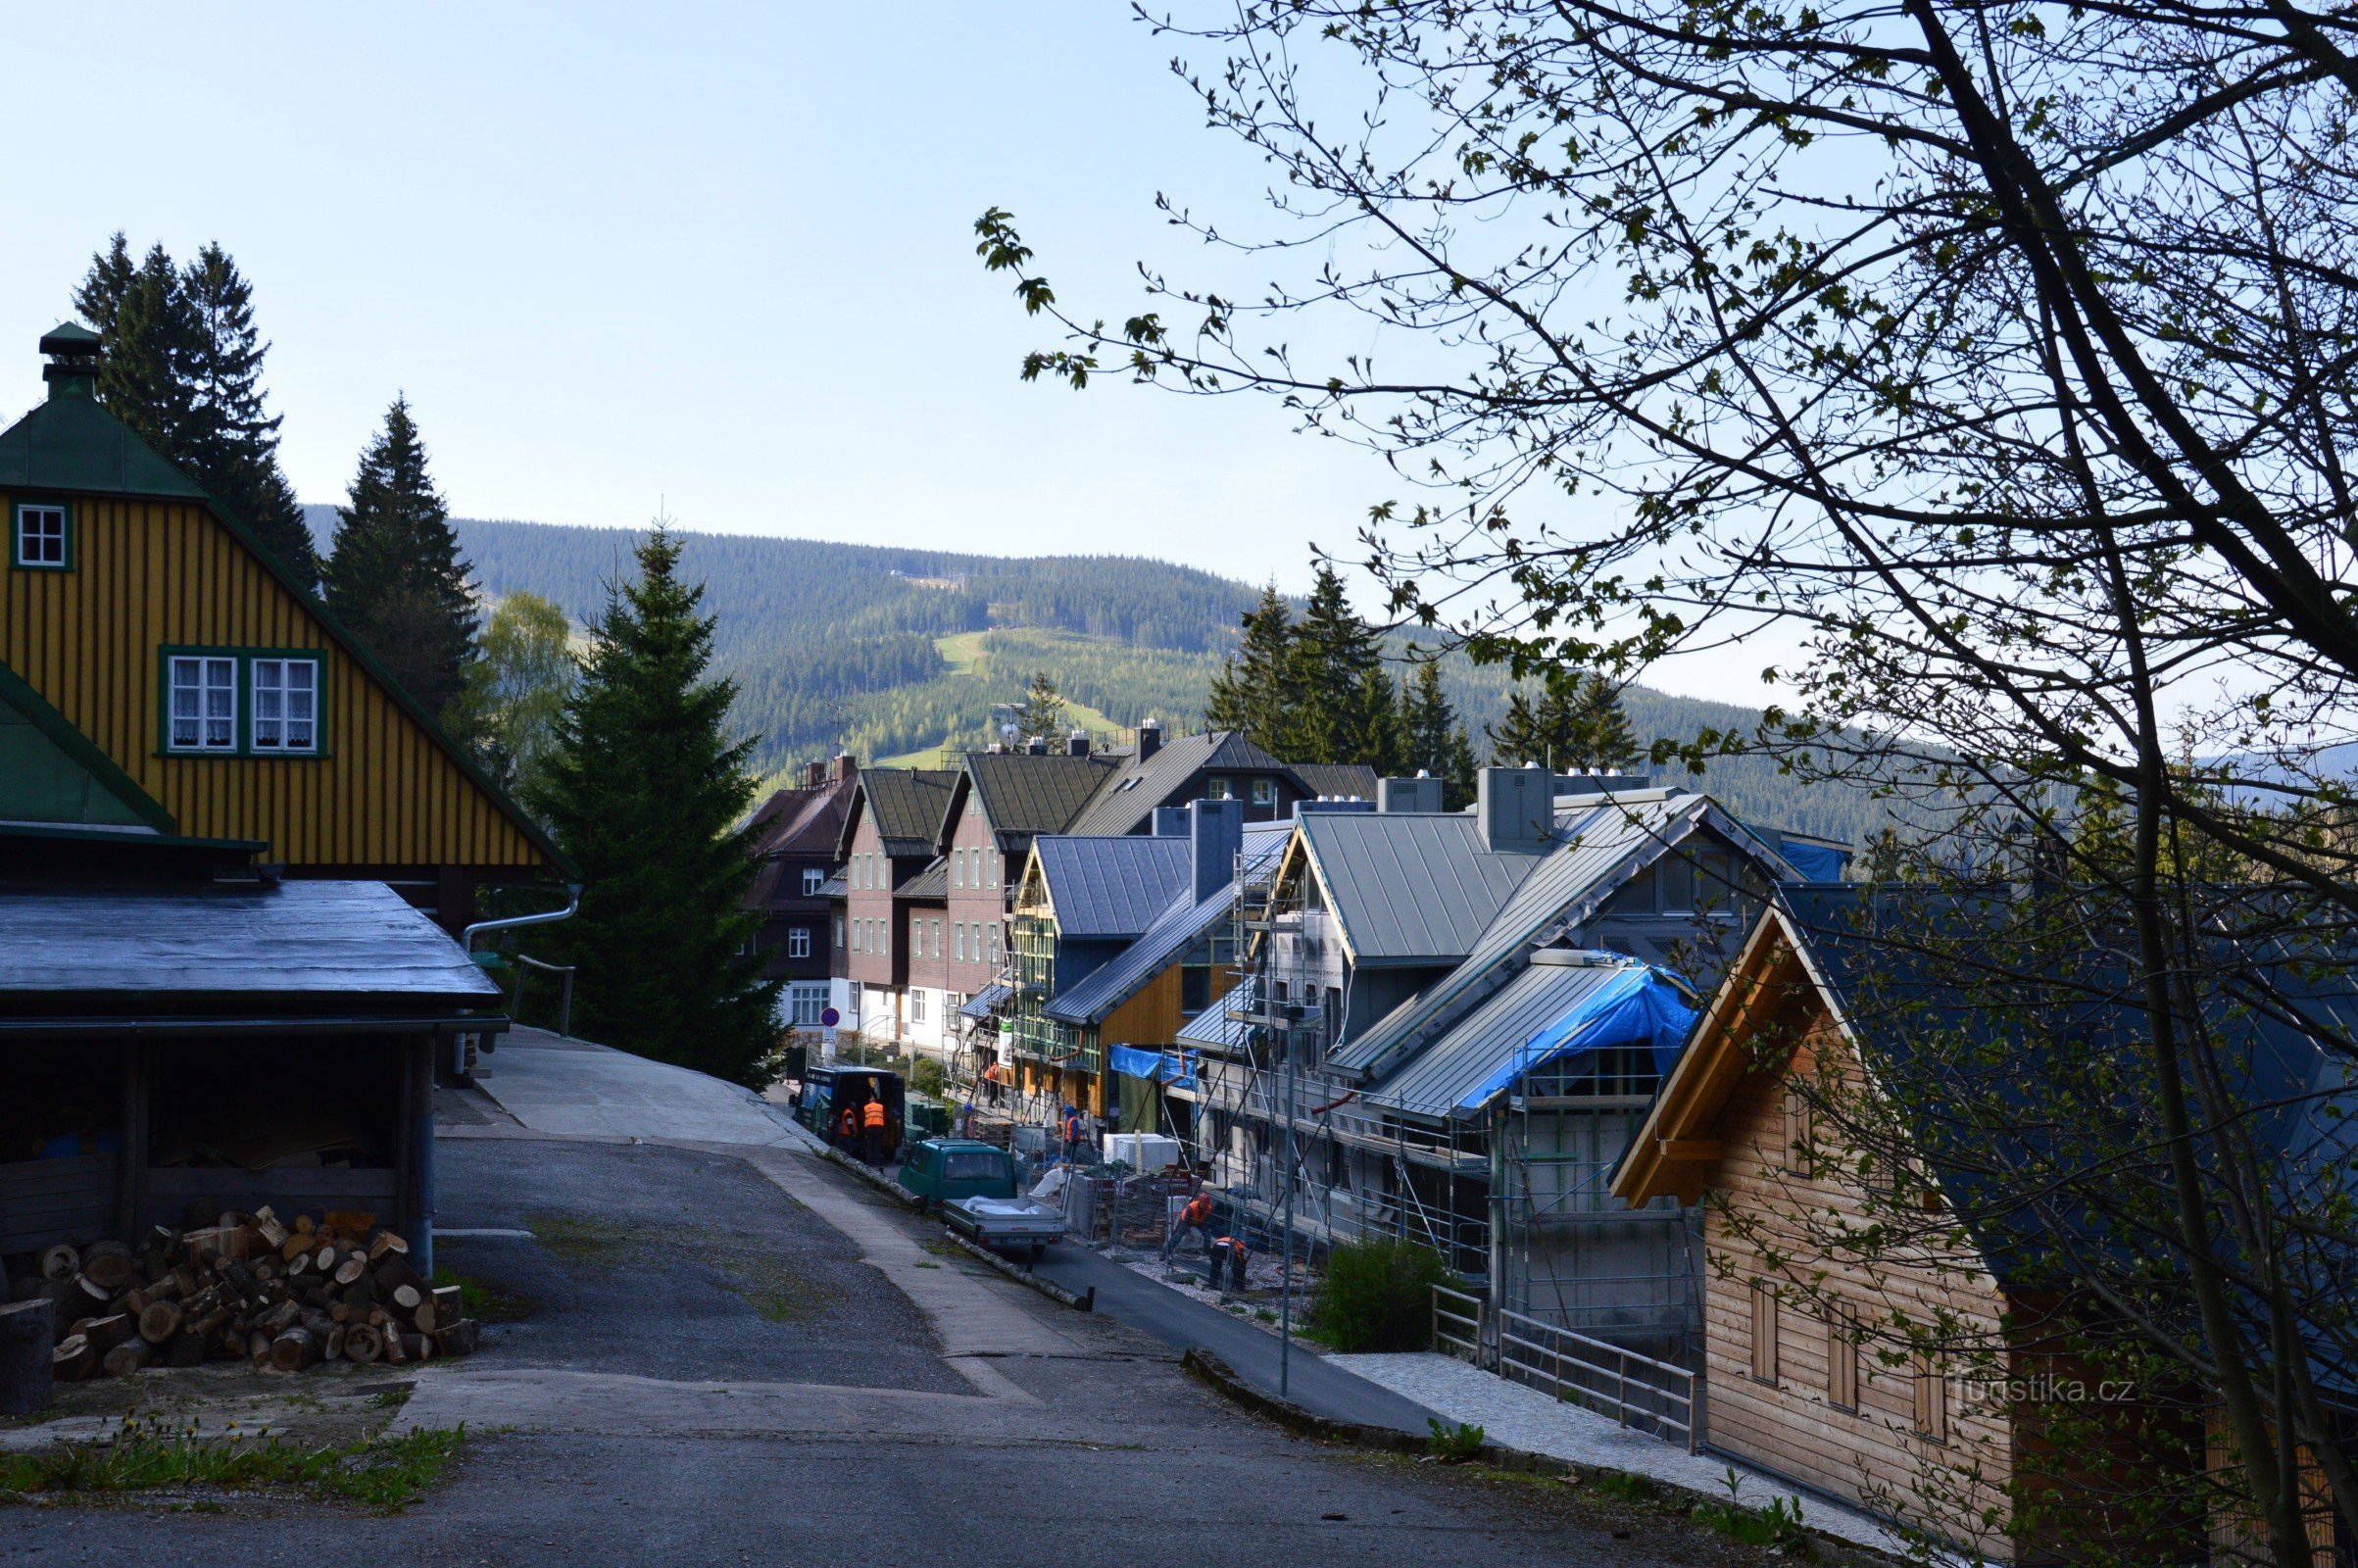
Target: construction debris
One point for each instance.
(282, 1296)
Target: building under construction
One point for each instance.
(1462, 1018)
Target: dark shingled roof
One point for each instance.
(1024, 796)
(1126, 800)
(908, 804)
(131, 948)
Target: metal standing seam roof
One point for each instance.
(1601, 844)
(1409, 888)
(1343, 780)
(1103, 888)
(1164, 942)
(340, 939)
(1547, 1011)
(1125, 801)
(1214, 1027)
(1024, 796)
(989, 1000)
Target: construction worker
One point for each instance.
(1076, 1134)
(1194, 1215)
(991, 1082)
(872, 1121)
(1227, 1258)
(849, 1126)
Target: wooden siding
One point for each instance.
(1791, 1426)
(150, 574)
(1149, 1019)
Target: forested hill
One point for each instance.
(897, 653)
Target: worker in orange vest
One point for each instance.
(1194, 1215)
(849, 1126)
(1227, 1257)
(1076, 1134)
(871, 1120)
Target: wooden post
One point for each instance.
(420, 1234)
(130, 1171)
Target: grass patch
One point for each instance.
(577, 1238)
(485, 1302)
(1454, 1445)
(383, 1473)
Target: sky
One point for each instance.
(709, 260)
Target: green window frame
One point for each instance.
(40, 533)
(215, 701)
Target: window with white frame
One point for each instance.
(917, 1007)
(807, 999)
(995, 941)
(202, 704)
(994, 867)
(40, 536)
(957, 868)
(958, 938)
(797, 942)
(839, 932)
(937, 940)
(814, 879)
(285, 705)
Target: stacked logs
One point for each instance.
(251, 1287)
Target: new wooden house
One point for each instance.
(226, 701)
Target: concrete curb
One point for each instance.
(871, 1175)
(1023, 1276)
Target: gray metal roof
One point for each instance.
(1408, 888)
(1214, 1027)
(1164, 942)
(1438, 1081)
(1348, 780)
(1103, 888)
(1601, 843)
(933, 882)
(223, 943)
(988, 1000)
(1125, 803)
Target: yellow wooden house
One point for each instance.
(145, 631)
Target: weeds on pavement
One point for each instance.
(384, 1473)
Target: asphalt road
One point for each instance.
(724, 1382)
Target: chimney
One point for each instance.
(847, 768)
(1037, 746)
(814, 774)
(1150, 738)
(1076, 743)
(72, 367)
(1170, 823)
(1418, 794)
(1216, 834)
(1516, 807)
(997, 747)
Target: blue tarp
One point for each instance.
(1635, 1006)
(1176, 1067)
(1817, 863)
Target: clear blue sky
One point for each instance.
(711, 258)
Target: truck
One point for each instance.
(1005, 1224)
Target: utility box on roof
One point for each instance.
(1142, 1151)
(1516, 807)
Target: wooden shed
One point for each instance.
(184, 1036)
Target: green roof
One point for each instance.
(72, 443)
(50, 773)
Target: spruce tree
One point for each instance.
(395, 578)
(1042, 714)
(1538, 728)
(229, 441)
(1253, 693)
(650, 795)
(182, 366)
(1600, 736)
(1428, 724)
(1461, 788)
(1337, 663)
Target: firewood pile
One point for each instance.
(282, 1296)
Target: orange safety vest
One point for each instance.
(850, 1121)
(873, 1114)
(1196, 1212)
(1072, 1128)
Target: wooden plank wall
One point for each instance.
(1791, 1426)
(147, 574)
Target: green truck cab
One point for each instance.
(941, 1169)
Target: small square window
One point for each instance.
(286, 706)
(203, 703)
(814, 879)
(1264, 792)
(41, 536)
(797, 943)
(1218, 788)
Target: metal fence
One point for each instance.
(1639, 1392)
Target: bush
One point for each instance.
(925, 1077)
(1378, 1295)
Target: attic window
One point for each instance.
(814, 879)
(42, 539)
(1264, 792)
(1218, 788)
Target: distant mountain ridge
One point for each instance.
(900, 653)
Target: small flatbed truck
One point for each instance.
(1005, 1224)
